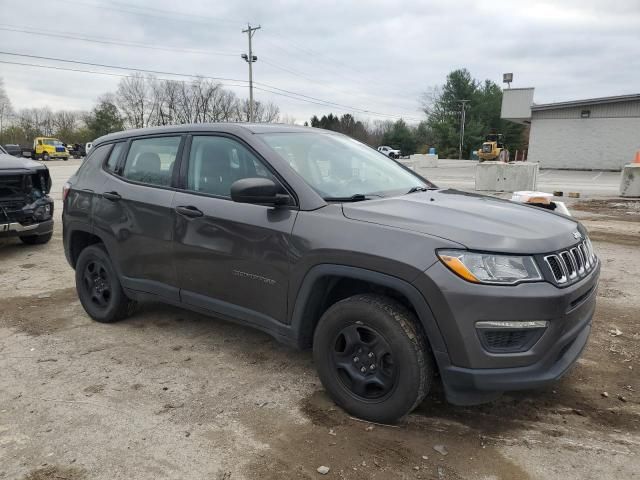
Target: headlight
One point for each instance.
(490, 268)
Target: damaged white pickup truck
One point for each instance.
(26, 210)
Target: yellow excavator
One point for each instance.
(494, 148)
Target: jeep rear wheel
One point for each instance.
(99, 288)
(372, 358)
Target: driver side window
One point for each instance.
(216, 162)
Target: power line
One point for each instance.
(107, 41)
(80, 70)
(338, 66)
(241, 83)
(146, 12)
(172, 14)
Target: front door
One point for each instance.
(231, 258)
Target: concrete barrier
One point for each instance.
(428, 160)
(506, 177)
(408, 162)
(630, 180)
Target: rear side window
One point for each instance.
(151, 160)
(112, 163)
(216, 162)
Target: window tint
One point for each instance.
(216, 162)
(151, 160)
(112, 163)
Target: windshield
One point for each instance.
(52, 141)
(337, 166)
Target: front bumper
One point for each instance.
(16, 229)
(469, 372)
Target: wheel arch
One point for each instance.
(77, 241)
(326, 284)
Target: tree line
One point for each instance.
(139, 101)
(441, 127)
(144, 101)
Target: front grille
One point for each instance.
(11, 212)
(11, 185)
(572, 264)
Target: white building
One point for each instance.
(593, 134)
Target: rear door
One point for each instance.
(231, 258)
(136, 217)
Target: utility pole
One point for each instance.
(250, 31)
(463, 116)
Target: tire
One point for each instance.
(372, 358)
(36, 239)
(45, 157)
(99, 287)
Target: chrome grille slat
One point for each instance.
(571, 264)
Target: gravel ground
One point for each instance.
(172, 394)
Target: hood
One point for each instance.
(476, 221)
(9, 162)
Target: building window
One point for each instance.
(585, 113)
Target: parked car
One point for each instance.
(389, 152)
(26, 210)
(321, 242)
(76, 150)
(13, 149)
(48, 148)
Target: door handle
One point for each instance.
(113, 196)
(189, 211)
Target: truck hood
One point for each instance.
(476, 221)
(22, 178)
(9, 162)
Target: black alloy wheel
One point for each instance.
(97, 283)
(364, 362)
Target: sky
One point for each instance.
(371, 58)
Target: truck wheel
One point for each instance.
(45, 157)
(36, 239)
(371, 357)
(99, 287)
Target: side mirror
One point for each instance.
(261, 191)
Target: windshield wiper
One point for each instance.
(357, 197)
(418, 188)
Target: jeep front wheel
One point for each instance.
(371, 357)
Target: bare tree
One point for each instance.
(6, 109)
(288, 119)
(430, 98)
(145, 101)
(262, 113)
(65, 123)
(132, 98)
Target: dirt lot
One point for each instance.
(171, 394)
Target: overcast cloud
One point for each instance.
(373, 55)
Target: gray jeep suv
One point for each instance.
(323, 242)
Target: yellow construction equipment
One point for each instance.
(494, 148)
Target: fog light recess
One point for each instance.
(510, 336)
